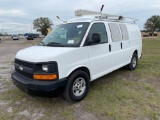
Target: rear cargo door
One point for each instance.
(116, 45)
(125, 43)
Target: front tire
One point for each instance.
(77, 86)
(133, 63)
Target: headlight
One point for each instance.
(46, 71)
(45, 68)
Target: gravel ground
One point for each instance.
(8, 50)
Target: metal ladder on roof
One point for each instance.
(101, 16)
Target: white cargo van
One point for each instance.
(78, 52)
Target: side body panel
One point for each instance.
(72, 60)
(107, 61)
(134, 39)
(97, 58)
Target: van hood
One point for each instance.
(41, 53)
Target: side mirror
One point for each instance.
(95, 38)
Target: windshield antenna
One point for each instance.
(61, 20)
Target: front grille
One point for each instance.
(25, 64)
(27, 75)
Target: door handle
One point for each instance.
(121, 45)
(109, 48)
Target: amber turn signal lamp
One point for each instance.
(45, 77)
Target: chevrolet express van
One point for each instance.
(76, 53)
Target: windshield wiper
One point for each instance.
(55, 44)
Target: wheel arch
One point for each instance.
(83, 68)
(136, 51)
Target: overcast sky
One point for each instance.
(16, 16)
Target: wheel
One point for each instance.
(77, 86)
(133, 63)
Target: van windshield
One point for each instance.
(66, 35)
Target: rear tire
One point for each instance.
(77, 86)
(133, 63)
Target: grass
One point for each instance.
(130, 94)
(3, 68)
(119, 95)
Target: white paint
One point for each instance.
(97, 58)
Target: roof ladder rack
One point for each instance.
(101, 16)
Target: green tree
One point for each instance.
(42, 24)
(153, 23)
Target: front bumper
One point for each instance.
(32, 86)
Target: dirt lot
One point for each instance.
(120, 95)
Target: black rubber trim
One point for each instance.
(26, 84)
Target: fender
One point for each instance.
(75, 68)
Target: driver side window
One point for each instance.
(101, 30)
